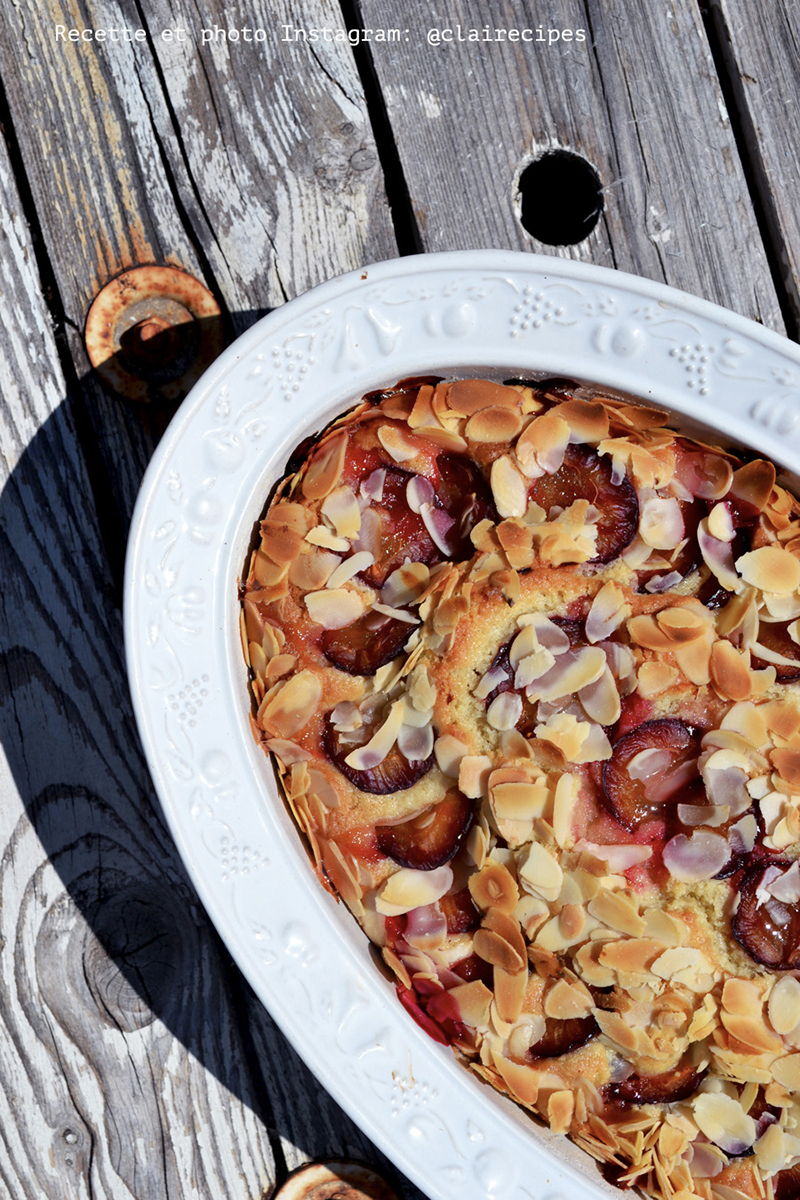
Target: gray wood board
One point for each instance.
(761, 49)
(122, 1071)
(251, 166)
(639, 99)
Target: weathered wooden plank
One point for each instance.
(122, 1072)
(255, 170)
(760, 50)
(638, 99)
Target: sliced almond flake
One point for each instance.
(541, 446)
(509, 489)
(786, 1071)
(287, 751)
(720, 523)
(523, 801)
(587, 420)
(539, 872)
(565, 1001)
(608, 610)
(655, 677)
(468, 396)
(772, 656)
(754, 482)
(419, 491)
(600, 700)
(371, 488)
(721, 1119)
(311, 571)
(445, 439)
(545, 633)
(494, 425)
(505, 711)
(494, 887)
(408, 889)
(440, 525)
(290, 706)
(494, 949)
(619, 911)
(350, 567)
(325, 468)
(566, 732)
(449, 752)
(281, 664)
(718, 557)
(369, 756)
(473, 775)
(401, 445)
(397, 614)
(488, 682)
(659, 584)
(572, 671)
(786, 887)
(340, 507)
(697, 857)
(335, 608)
(618, 857)
(664, 927)
(661, 523)
(770, 568)
(517, 542)
(729, 672)
(533, 667)
(564, 805)
(682, 625)
(405, 585)
(780, 608)
(415, 742)
(784, 1005)
(472, 1001)
(711, 815)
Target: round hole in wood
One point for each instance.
(560, 198)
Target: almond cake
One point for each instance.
(528, 661)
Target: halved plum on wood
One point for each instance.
(587, 475)
(366, 645)
(650, 767)
(431, 838)
(769, 930)
(671, 1086)
(560, 1037)
(394, 774)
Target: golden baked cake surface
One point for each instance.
(528, 663)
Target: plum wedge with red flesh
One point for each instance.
(766, 926)
(429, 839)
(394, 774)
(774, 635)
(586, 475)
(403, 534)
(366, 645)
(650, 767)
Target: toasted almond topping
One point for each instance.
(408, 889)
(654, 677)
(468, 396)
(587, 420)
(325, 468)
(399, 443)
(600, 700)
(784, 1005)
(349, 568)
(504, 711)
(729, 672)
(682, 625)
(661, 523)
(341, 509)
(572, 671)
(508, 488)
(539, 872)
(560, 1109)
(320, 535)
(754, 483)
(564, 805)
(311, 571)
(521, 801)
(494, 887)
(335, 608)
(472, 1002)
(720, 523)
(473, 775)
(787, 764)
(517, 542)
(718, 557)
(291, 706)
(723, 1122)
(494, 425)
(565, 1001)
(494, 949)
(619, 911)
(786, 1071)
(608, 610)
(449, 752)
(770, 568)
(366, 757)
(541, 446)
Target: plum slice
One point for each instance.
(402, 534)
(786, 1184)
(460, 911)
(688, 557)
(586, 475)
(637, 784)
(431, 838)
(394, 774)
(366, 645)
(669, 1087)
(560, 1037)
(769, 930)
(466, 497)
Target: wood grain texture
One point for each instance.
(253, 167)
(126, 1036)
(122, 1072)
(639, 99)
(760, 49)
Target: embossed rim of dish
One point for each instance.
(488, 312)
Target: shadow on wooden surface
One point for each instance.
(146, 1051)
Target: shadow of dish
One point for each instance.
(123, 1009)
